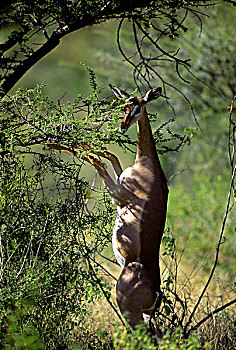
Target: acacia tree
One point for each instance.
(36, 28)
(51, 240)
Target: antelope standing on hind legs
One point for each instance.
(141, 196)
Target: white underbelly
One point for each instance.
(119, 257)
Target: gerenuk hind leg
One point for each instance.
(136, 296)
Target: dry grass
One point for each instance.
(220, 331)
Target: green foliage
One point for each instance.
(176, 341)
(19, 334)
(139, 339)
(33, 119)
(48, 236)
(29, 118)
(44, 256)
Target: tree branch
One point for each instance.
(29, 62)
(72, 18)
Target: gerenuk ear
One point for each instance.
(152, 94)
(118, 92)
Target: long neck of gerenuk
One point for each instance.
(146, 144)
(146, 148)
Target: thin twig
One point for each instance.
(218, 245)
(174, 58)
(41, 240)
(27, 251)
(2, 257)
